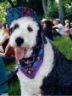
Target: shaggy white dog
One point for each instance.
(26, 35)
(31, 87)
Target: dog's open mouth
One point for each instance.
(20, 52)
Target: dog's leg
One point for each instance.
(22, 85)
(23, 91)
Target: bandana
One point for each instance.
(30, 66)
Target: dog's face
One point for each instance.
(24, 32)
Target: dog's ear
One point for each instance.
(41, 37)
(13, 28)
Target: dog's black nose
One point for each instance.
(19, 41)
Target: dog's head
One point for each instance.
(25, 33)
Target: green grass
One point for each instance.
(14, 89)
(64, 44)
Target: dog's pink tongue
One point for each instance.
(19, 53)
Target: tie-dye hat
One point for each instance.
(19, 12)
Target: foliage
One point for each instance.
(64, 44)
(3, 10)
(68, 13)
(67, 1)
(14, 88)
(37, 6)
(53, 12)
(3, 13)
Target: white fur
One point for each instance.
(31, 87)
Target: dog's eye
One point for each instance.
(29, 29)
(16, 26)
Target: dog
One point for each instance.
(42, 69)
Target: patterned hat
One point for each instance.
(19, 12)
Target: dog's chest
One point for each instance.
(45, 69)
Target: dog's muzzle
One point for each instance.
(19, 41)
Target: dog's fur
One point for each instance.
(55, 75)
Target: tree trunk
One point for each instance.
(61, 10)
(46, 7)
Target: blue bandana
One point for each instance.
(31, 67)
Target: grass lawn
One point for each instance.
(14, 89)
(64, 44)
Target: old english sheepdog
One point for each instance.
(42, 69)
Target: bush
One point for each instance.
(68, 13)
(53, 13)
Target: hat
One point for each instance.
(57, 19)
(43, 20)
(19, 12)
